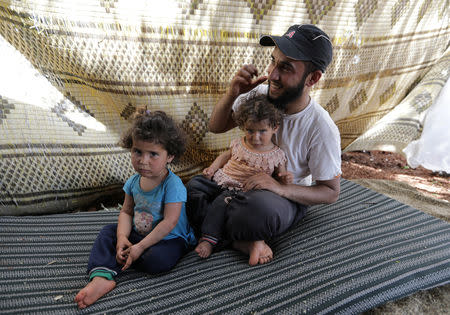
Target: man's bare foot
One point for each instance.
(259, 251)
(94, 290)
(204, 249)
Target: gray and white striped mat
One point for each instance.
(345, 258)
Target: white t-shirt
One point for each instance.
(310, 140)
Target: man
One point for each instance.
(307, 134)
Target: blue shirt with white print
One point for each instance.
(149, 206)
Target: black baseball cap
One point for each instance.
(304, 42)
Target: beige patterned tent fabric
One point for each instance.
(74, 71)
(404, 123)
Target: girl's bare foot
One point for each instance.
(259, 251)
(204, 249)
(94, 290)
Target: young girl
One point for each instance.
(152, 232)
(252, 154)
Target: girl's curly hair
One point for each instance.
(156, 127)
(257, 108)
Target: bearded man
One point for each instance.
(267, 208)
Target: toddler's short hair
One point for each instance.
(257, 108)
(156, 127)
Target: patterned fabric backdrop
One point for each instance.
(74, 71)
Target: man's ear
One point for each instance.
(170, 158)
(313, 78)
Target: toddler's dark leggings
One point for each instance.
(158, 258)
(251, 216)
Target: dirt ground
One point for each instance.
(393, 166)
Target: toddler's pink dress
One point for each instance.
(245, 163)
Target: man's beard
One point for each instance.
(288, 96)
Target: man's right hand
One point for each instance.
(221, 119)
(243, 81)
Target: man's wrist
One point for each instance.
(281, 189)
(231, 96)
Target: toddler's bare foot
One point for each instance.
(94, 290)
(259, 251)
(204, 249)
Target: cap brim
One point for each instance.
(266, 40)
(285, 45)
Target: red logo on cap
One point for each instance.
(290, 34)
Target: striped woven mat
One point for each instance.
(358, 253)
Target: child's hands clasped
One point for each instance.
(122, 245)
(132, 253)
(127, 253)
(286, 177)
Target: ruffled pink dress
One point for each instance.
(245, 163)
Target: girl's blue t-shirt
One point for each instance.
(149, 206)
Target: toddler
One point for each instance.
(152, 232)
(252, 154)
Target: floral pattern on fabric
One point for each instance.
(143, 221)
